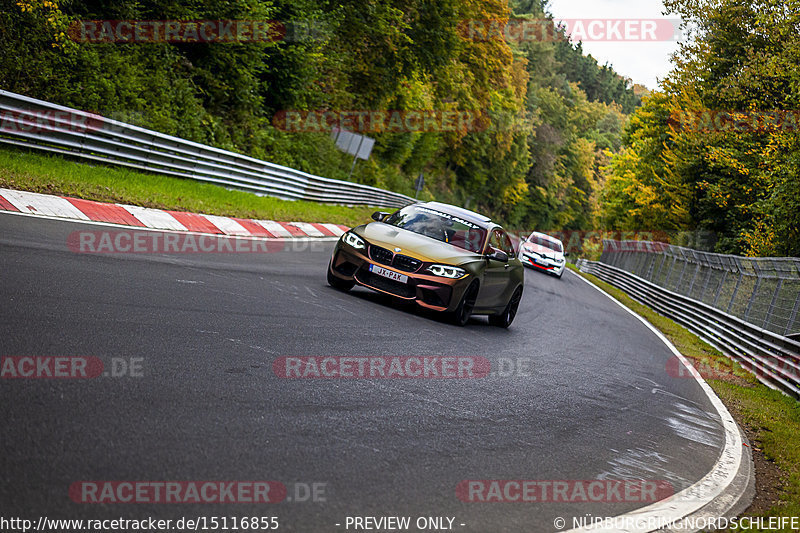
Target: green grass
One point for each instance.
(771, 418)
(54, 174)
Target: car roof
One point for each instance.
(546, 236)
(466, 214)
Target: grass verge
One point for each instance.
(53, 174)
(770, 419)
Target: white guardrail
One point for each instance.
(36, 124)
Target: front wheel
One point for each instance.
(505, 319)
(461, 315)
(337, 283)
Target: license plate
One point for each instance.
(539, 261)
(388, 274)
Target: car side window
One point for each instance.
(499, 240)
(505, 244)
(494, 242)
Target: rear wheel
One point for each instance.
(461, 315)
(336, 283)
(504, 319)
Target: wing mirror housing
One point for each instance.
(379, 216)
(498, 255)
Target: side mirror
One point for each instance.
(566, 254)
(379, 216)
(498, 255)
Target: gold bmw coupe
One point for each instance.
(444, 258)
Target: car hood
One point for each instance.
(414, 244)
(542, 250)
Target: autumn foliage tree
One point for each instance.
(552, 115)
(717, 149)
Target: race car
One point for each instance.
(444, 258)
(544, 253)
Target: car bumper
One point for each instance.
(432, 292)
(540, 263)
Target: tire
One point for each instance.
(337, 283)
(461, 315)
(504, 319)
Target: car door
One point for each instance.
(495, 277)
(513, 270)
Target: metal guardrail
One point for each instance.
(764, 291)
(40, 125)
(773, 358)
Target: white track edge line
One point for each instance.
(702, 492)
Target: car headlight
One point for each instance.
(446, 271)
(351, 239)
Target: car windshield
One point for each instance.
(547, 243)
(440, 226)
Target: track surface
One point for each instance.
(598, 402)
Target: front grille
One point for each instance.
(407, 264)
(386, 257)
(380, 255)
(385, 284)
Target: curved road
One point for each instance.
(596, 401)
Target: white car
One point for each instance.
(543, 252)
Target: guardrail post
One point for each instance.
(680, 278)
(626, 261)
(735, 290)
(719, 290)
(661, 266)
(651, 266)
(671, 270)
(793, 317)
(772, 303)
(752, 298)
(651, 263)
(640, 263)
(82, 148)
(691, 285)
(709, 271)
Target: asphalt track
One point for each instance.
(596, 403)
